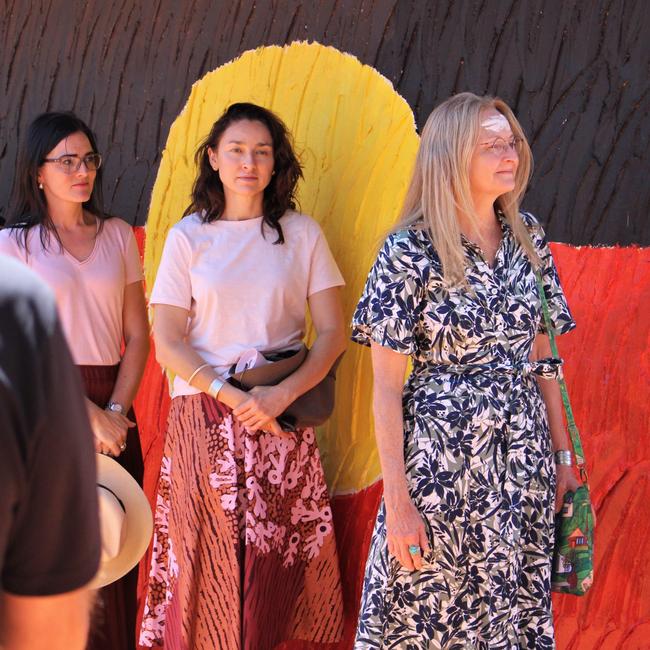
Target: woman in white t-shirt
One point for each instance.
(57, 227)
(244, 553)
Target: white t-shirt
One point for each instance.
(89, 294)
(242, 291)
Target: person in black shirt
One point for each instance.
(49, 528)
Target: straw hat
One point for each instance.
(125, 520)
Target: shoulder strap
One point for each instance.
(573, 429)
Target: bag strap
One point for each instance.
(573, 429)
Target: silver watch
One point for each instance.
(115, 406)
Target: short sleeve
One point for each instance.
(9, 244)
(132, 261)
(323, 270)
(559, 313)
(173, 284)
(391, 305)
(54, 544)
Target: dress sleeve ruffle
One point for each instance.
(391, 305)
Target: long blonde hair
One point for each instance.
(440, 186)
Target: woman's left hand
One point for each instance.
(264, 404)
(566, 482)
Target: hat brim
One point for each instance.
(138, 520)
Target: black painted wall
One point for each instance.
(575, 71)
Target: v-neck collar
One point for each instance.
(87, 259)
(500, 252)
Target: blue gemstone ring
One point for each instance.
(414, 549)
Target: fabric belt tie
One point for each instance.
(515, 461)
(549, 368)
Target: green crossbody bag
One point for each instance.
(573, 556)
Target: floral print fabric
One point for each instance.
(477, 447)
(244, 555)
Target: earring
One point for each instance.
(273, 173)
(40, 186)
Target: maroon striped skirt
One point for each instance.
(113, 621)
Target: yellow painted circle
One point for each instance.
(357, 141)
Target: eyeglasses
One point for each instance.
(500, 147)
(71, 163)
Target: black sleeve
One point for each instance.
(53, 545)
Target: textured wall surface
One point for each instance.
(575, 71)
(608, 374)
(358, 142)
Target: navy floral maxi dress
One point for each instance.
(477, 447)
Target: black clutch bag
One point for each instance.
(310, 409)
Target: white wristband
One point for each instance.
(215, 387)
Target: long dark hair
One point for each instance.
(208, 197)
(28, 207)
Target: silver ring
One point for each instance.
(123, 446)
(414, 549)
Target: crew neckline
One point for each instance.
(253, 219)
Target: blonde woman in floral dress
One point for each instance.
(461, 552)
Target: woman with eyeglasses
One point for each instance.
(56, 225)
(473, 448)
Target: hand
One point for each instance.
(109, 429)
(274, 427)
(404, 528)
(264, 404)
(566, 482)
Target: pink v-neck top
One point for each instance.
(89, 293)
(240, 289)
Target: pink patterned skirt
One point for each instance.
(244, 555)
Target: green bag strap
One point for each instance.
(571, 423)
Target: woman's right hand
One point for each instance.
(404, 528)
(109, 429)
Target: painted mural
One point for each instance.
(355, 178)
